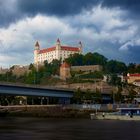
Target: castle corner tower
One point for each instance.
(80, 47)
(36, 52)
(58, 49)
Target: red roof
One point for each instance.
(135, 75)
(65, 65)
(47, 50)
(67, 48)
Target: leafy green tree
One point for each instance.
(31, 67)
(114, 66)
(132, 94)
(99, 59)
(89, 59)
(78, 96)
(55, 64)
(115, 80)
(97, 96)
(75, 60)
(138, 69)
(87, 96)
(118, 95)
(131, 68)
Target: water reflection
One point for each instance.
(67, 129)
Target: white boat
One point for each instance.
(121, 114)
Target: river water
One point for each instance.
(67, 129)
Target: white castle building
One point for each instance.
(56, 52)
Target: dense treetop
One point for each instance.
(48, 70)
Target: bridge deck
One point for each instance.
(34, 91)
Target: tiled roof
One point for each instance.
(68, 48)
(65, 65)
(134, 75)
(47, 50)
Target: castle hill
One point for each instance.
(93, 78)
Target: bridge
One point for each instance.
(34, 91)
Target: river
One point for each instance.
(67, 129)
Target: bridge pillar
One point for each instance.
(64, 100)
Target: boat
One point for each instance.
(121, 114)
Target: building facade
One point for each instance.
(17, 70)
(58, 51)
(131, 78)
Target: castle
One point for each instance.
(59, 52)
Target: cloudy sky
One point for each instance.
(109, 27)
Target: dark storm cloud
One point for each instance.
(8, 12)
(132, 6)
(55, 7)
(13, 10)
(70, 7)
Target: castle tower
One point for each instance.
(80, 47)
(58, 49)
(58, 44)
(36, 52)
(65, 71)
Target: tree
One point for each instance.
(114, 66)
(132, 95)
(115, 80)
(87, 96)
(78, 95)
(99, 59)
(89, 59)
(131, 68)
(31, 67)
(75, 60)
(118, 95)
(97, 96)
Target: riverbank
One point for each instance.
(48, 111)
(114, 117)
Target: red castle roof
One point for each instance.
(47, 50)
(66, 48)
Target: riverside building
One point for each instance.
(58, 51)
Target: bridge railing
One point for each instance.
(100, 106)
